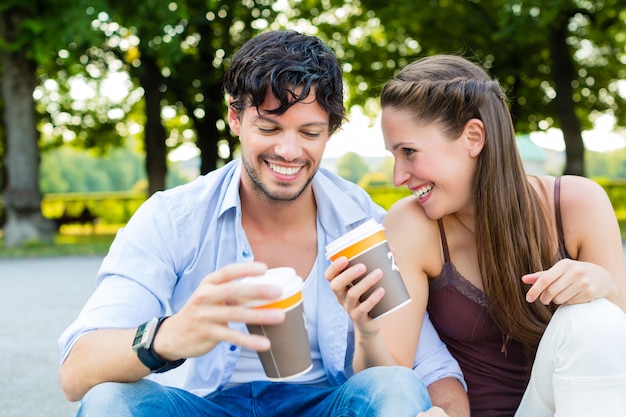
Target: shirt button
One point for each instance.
(233, 348)
(245, 253)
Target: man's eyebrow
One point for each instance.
(269, 119)
(314, 124)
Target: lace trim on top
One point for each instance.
(450, 276)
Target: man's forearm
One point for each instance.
(449, 394)
(100, 356)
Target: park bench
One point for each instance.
(85, 217)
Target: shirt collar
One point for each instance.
(336, 211)
(231, 195)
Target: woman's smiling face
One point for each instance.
(438, 169)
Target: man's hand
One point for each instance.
(219, 299)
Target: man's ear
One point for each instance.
(233, 118)
(474, 134)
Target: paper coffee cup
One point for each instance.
(367, 244)
(290, 354)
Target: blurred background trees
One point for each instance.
(352, 167)
(31, 33)
(114, 76)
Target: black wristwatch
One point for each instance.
(142, 345)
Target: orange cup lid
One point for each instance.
(284, 277)
(357, 240)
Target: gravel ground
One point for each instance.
(40, 298)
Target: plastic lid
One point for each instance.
(284, 277)
(366, 229)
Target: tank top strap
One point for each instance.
(444, 242)
(559, 221)
(557, 209)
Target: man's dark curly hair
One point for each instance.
(286, 61)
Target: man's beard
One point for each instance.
(262, 191)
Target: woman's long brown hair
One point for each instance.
(515, 232)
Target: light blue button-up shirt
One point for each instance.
(179, 236)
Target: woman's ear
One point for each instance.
(233, 118)
(474, 133)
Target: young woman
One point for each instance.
(517, 272)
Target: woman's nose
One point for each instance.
(400, 176)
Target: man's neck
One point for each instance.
(278, 215)
(282, 234)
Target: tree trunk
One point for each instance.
(156, 150)
(563, 74)
(207, 144)
(208, 133)
(22, 198)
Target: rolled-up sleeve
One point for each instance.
(117, 303)
(433, 360)
(134, 282)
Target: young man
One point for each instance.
(180, 257)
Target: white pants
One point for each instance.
(580, 367)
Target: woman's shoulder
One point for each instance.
(568, 182)
(572, 185)
(413, 235)
(408, 211)
(573, 190)
(581, 197)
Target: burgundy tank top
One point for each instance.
(495, 369)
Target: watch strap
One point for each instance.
(151, 359)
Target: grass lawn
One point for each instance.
(85, 240)
(71, 240)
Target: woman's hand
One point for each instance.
(348, 293)
(569, 281)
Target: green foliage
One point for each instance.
(117, 207)
(606, 164)
(385, 196)
(510, 39)
(374, 179)
(2, 148)
(616, 190)
(189, 42)
(45, 26)
(352, 167)
(560, 62)
(89, 243)
(68, 170)
(386, 167)
(110, 208)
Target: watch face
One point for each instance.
(143, 336)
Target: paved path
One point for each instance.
(40, 297)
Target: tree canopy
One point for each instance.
(560, 61)
(352, 167)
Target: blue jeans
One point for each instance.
(378, 391)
